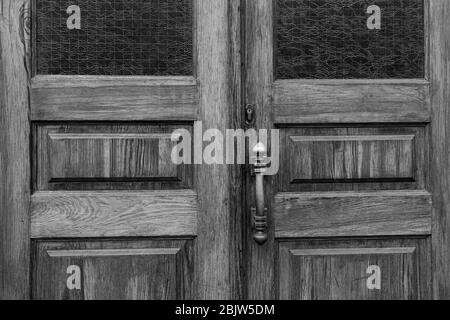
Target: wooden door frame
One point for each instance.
(15, 150)
(259, 87)
(219, 74)
(219, 77)
(439, 39)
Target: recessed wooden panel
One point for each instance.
(69, 214)
(314, 158)
(93, 157)
(347, 269)
(111, 156)
(351, 157)
(144, 270)
(334, 214)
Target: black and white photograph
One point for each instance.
(220, 157)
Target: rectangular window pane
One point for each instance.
(349, 39)
(114, 37)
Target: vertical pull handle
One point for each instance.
(259, 212)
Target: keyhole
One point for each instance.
(250, 114)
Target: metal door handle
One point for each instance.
(260, 212)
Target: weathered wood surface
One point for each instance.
(337, 269)
(212, 98)
(114, 214)
(107, 157)
(114, 270)
(113, 98)
(329, 107)
(353, 157)
(237, 173)
(358, 101)
(90, 253)
(348, 214)
(216, 67)
(14, 149)
(258, 83)
(440, 173)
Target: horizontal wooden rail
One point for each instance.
(351, 101)
(378, 213)
(104, 98)
(114, 214)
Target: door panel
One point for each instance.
(352, 102)
(342, 158)
(116, 270)
(100, 156)
(355, 269)
(101, 169)
(107, 92)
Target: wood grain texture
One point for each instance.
(113, 214)
(113, 98)
(258, 81)
(112, 252)
(14, 149)
(337, 269)
(350, 251)
(115, 156)
(440, 128)
(211, 98)
(346, 214)
(237, 173)
(358, 101)
(344, 158)
(114, 270)
(108, 156)
(215, 73)
(336, 108)
(351, 158)
(60, 81)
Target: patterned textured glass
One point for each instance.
(330, 39)
(116, 37)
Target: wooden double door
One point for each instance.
(94, 207)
